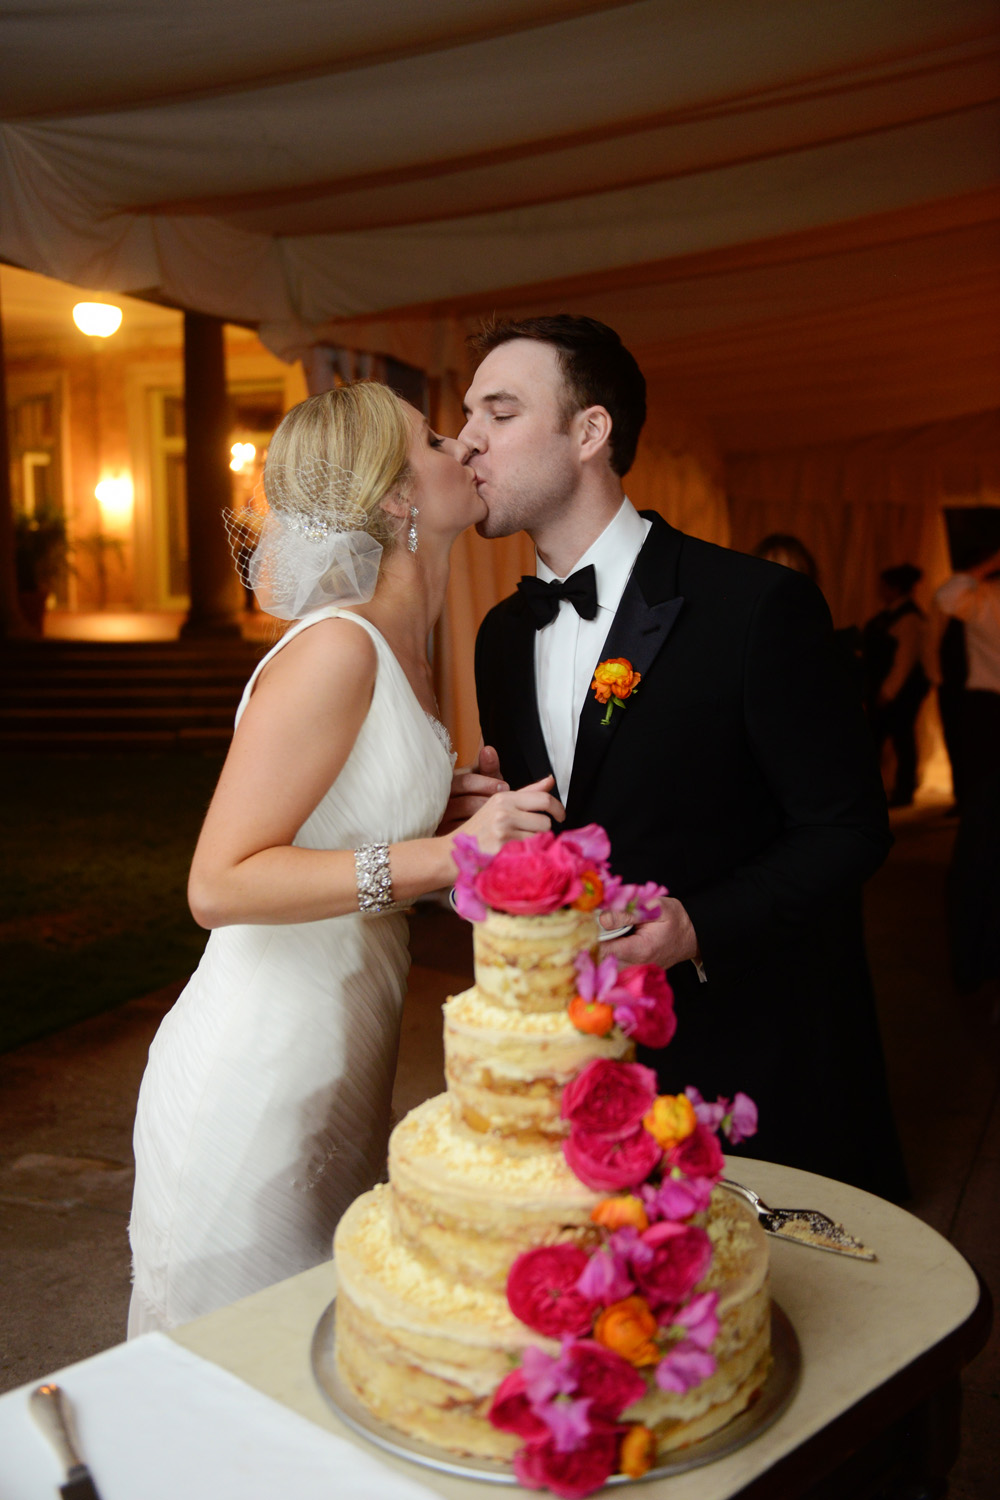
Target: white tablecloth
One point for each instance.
(156, 1422)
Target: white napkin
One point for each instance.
(156, 1421)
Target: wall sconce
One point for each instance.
(242, 454)
(115, 496)
(99, 319)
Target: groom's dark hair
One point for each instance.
(597, 368)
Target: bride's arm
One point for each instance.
(292, 742)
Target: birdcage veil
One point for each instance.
(306, 546)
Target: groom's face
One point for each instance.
(520, 434)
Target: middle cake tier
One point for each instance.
(466, 1205)
(507, 1068)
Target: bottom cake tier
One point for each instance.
(424, 1352)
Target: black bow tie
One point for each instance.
(543, 598)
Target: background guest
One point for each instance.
(896, 683)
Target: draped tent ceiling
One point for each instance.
(789, 208)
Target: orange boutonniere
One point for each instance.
(614, 682)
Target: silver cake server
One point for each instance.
(806, 1226)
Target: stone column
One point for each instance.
(216, 595)
(13, 626)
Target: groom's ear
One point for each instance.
(593, 424)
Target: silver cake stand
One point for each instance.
(775, 1394)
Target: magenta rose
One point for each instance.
(648, 1013)
(530, 877)
(608, 1164)
(511, 1411)
(569, 1475)
(699, 1155)
(542, 1290)
(610, 1381)
(682, 1254)
(609, 1098)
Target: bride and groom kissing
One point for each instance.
(686, 698)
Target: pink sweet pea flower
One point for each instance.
(700, 1319)
(677, 1197)
(470, 860)
(684, 1367)
(605, 1278)
(546, 1375)
(567, 1421)
(596, 982)
(590, 844)
(639, 903)
(710, 1115)
(741, 1121)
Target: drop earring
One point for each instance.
(412, 540)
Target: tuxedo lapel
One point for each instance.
(648, 612)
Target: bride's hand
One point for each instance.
(514, 815)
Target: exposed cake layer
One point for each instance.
(467, 1204)
(425, 1351)
(506, 1069)
(528, 963)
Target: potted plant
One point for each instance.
(41, 553)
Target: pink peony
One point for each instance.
(646, 1009)
(684, 1367)
(609, 1098)
(682, 1256)
(511, 1411)
(608, 1164)
(699, 1155)
(610, 1381)
(530, 877)
(569, 1475)
(542, 1290)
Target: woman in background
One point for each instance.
(895, 681)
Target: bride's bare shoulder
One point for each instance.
(335, 653)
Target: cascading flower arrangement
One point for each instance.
(631, 1303)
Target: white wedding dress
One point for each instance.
(264, 1108)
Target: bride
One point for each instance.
(264, 1108)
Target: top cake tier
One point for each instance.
(528, 963)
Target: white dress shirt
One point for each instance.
(569, 648)
(977, 603)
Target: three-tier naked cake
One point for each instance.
(552, 1275)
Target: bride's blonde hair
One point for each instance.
(337, 457)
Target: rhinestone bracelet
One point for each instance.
(371, 864)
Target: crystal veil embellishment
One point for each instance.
(299, 557)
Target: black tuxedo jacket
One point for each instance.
(741, 775)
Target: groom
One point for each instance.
(729, 761)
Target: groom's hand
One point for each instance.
(669, 939)
(471, 789)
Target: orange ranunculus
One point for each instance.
(617, 1213)
(593, 892)
(671, 1120)
(627, 1328)
(614, 678)
(638, 1451)
(591, 1016)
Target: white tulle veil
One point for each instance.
(299, 557)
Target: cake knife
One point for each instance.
(50, 1409)
(806, 1226)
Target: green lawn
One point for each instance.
(94, 855)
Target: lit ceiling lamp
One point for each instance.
(242, 454)
(99, 319)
